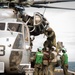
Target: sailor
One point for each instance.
(45, 60)
(51, 37)
(64, 61)
(31, 40)
(53, 60)
(38, 62)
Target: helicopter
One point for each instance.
(13, 33)
(15, 30)
(16, 27)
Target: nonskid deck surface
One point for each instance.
(57, 72)
(60, 72)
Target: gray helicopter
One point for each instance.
(16, 27)
(15, 42)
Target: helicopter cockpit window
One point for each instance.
(2, 26)
(18, 44)
(15, 27)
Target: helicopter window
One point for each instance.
(18, 44)
(2, 26)
(15, 27)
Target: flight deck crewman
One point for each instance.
(46, 53)
(51, 38)
(64, 61)
(53, 61)
(38, 62)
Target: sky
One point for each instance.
(63, 23)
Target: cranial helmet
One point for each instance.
(40, 48)
(63, 49)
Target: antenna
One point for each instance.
(44, 11)
(45, 8)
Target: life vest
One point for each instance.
(39, 58)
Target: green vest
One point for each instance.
(65, 58)
(39, 58)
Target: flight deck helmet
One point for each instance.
(40, 49)
(64, 50)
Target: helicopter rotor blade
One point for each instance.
(33, 2)
(52, 1)
(43, 4)
(51, 7)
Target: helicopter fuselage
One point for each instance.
(13, 41)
